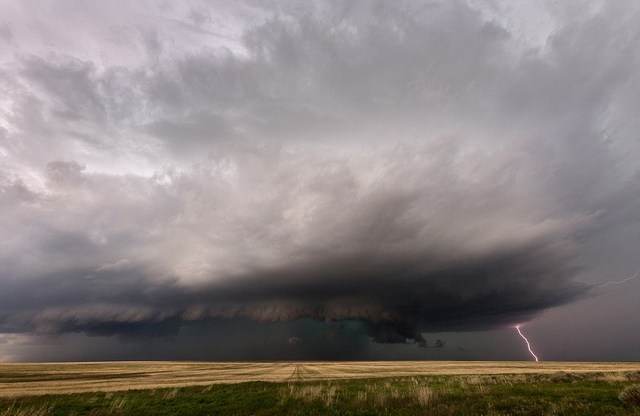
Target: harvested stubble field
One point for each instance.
(60, 378)
(405, 387)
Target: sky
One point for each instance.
(337, 179)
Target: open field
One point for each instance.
(60, 378)
(314, 388)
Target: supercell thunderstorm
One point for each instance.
(407, 168)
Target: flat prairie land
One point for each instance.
(320, 388)
(65, 378)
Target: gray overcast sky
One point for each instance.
(319, 180)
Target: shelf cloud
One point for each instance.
(407, 238)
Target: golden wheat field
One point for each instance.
(56, 378)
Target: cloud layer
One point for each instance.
(408, 238)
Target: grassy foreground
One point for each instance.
(503, 394)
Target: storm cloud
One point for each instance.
(411, 167)
(406, 238)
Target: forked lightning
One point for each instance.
(621, 281)
(527, 341)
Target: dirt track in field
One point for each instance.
(57, 378)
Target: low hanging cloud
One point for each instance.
(405, 239)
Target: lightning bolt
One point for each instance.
(527, 341)
(621, 281)
(602, 285)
